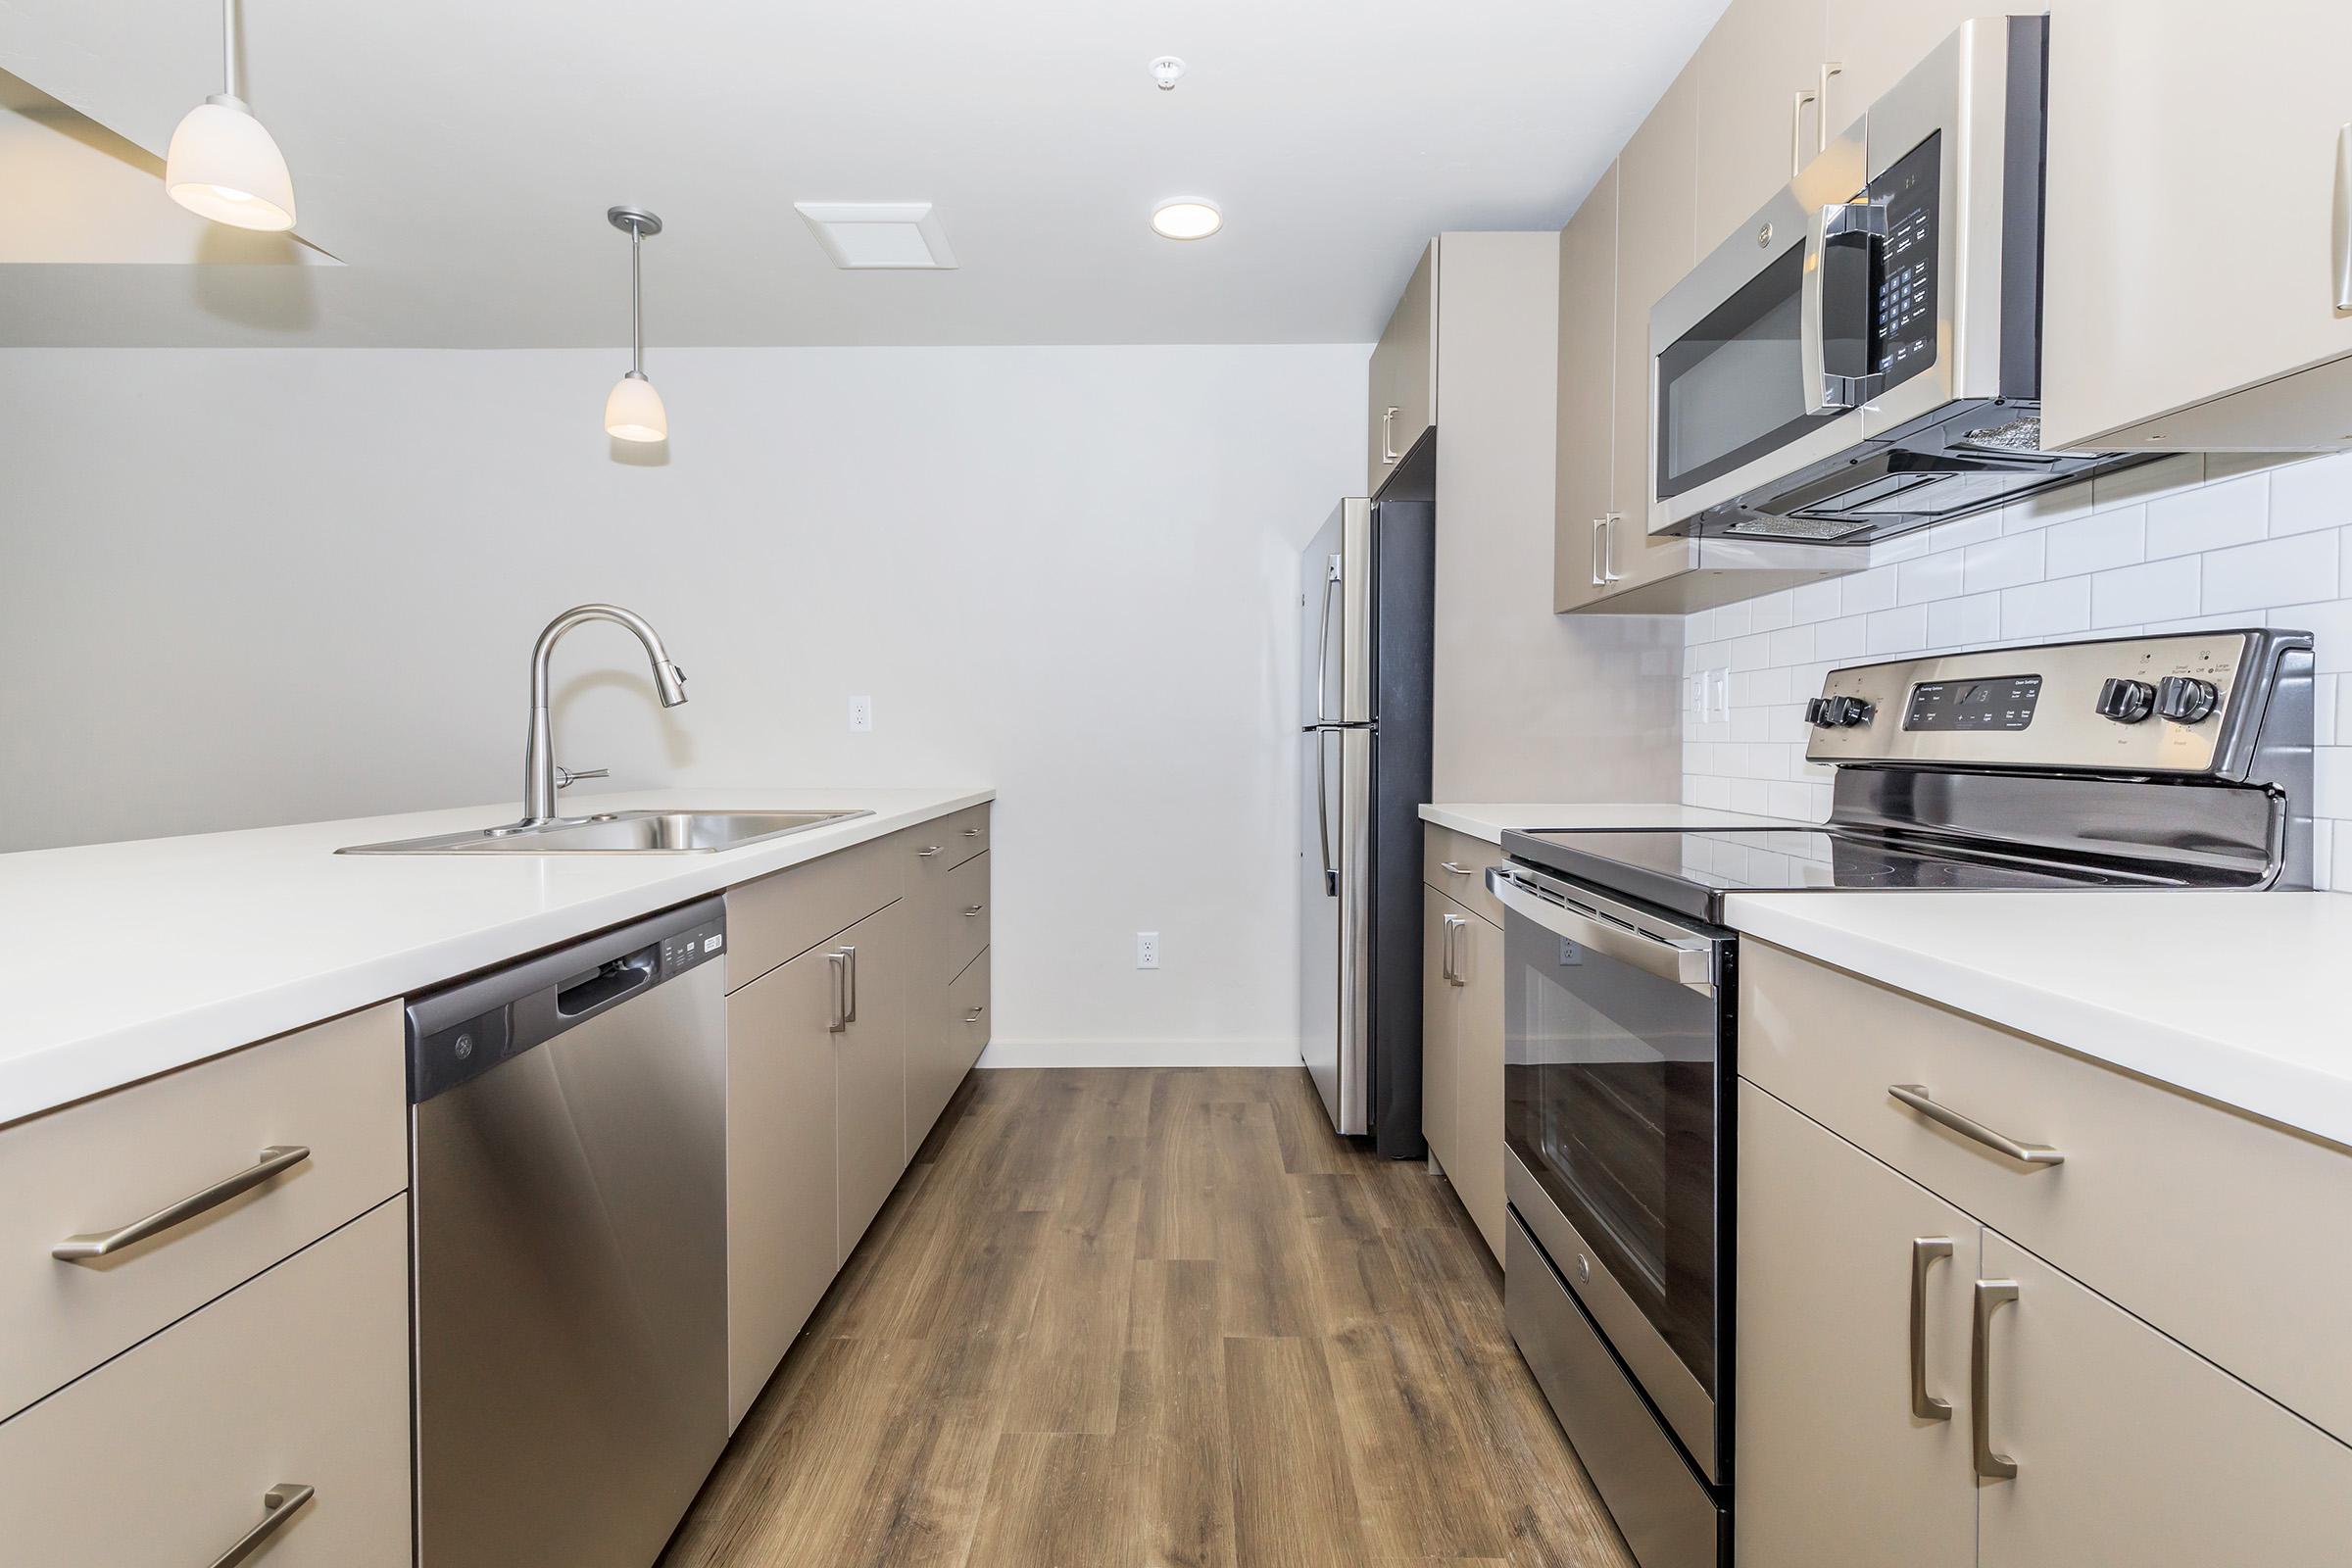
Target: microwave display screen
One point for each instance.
(1998, 701)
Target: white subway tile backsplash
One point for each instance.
(2159, 590)
(1956, 622)
(2186, 543)
(2312, 495)
(2255, 576)
(2046, 609)
(1869, 590)
(2004, 562)
(2097, 542)
(2209, 519)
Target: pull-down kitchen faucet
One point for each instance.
(539, 748)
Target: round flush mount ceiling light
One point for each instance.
(634, 411)
(1186, 220)
(221, 164)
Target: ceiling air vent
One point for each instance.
(859, 235)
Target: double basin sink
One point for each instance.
(618, 833)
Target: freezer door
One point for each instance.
(1336, 995)
(1335, 604)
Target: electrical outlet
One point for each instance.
(861, 713)
(1146, 949)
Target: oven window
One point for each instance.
(1733, 388)
(1612, 1089)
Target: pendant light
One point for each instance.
(634, 411)
(222, 163)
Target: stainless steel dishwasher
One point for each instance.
(567, 1123)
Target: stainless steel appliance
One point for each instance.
(1366, 601)
(2176, 761)
(567, 1130)
(1863, 356)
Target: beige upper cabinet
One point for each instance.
(1756, 80)
(1405, 374)
(1656, 246)
(1836, 1464)
(2130, 1450)
(2191, 254)
(1586, 392)
(1870, 45)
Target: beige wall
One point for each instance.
(1529, 705)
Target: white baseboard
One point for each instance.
(1282, 1053)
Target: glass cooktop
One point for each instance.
(1691, 872)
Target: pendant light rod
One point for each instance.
(230, 87)
(637, 222)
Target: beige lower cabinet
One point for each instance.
(2131, 1451)
(1836, 1464)
(869, 1067)
(1461, 1057)
(295, 1385)
(783, 1212)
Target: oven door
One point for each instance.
(1617, 1094)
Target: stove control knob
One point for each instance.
(1841, 713)
(2185, 699)
(2127, 702)
(1815, 709)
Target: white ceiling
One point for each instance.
(458, 156)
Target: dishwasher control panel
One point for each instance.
(683, 951)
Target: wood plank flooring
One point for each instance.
(1154, 1318)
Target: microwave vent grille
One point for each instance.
(2020, 436)
(1801, 527)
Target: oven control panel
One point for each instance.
(2176, 704)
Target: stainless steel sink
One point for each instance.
(618, 833)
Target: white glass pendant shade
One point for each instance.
(634, 411)
(222, 164)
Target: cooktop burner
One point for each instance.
(1691, 872)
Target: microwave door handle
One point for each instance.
(1686, 964)
(1844, 224)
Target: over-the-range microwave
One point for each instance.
(1864, 356)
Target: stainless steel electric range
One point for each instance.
(2173, 761)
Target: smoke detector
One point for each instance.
(1167, 71)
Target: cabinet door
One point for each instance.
(1477, 1167)
(1437, 1009)
(2132, 1449)
(869, 1069)
(783, 1218)
(1405, 372)
(1872, 45)
(1835, 1467)
(1751, 127)
(2150, 211)
(1655, 248)
(1588, 379)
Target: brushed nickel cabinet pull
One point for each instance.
(1388, 435)
(279, 1504)
(848, 1013)
(971, 832)
(926, 852)
(838, 963)
(1916, 1095)
(1608, 549)
(1925, 1251)
(1990, 1295)
(92, 1244)
(1599, 524)
(1455, 925)
(973, 1016)
(2343, 217)
(1796, 129)
(974, 909)
(1821, 101)
(1457, 870)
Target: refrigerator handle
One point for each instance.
(1331, 876)
(1331, 583)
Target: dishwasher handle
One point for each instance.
(459, 1032)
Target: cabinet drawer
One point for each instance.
(1442, 848)
(964, 834)
(160, 1458)
(968, 1014)
(337, 1089)
(967, 914)
(2198, 1219)
(779, 917)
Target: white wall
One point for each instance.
(262, 586)
(2186, 543)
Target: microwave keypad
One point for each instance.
(1903, 343)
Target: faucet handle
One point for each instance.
(567, 777)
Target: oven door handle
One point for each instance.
(1686, 964)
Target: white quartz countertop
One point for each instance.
(1488, 820)
(2237, 996)
(122, 960)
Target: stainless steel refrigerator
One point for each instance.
(1365, 603)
